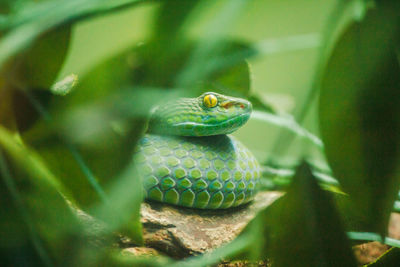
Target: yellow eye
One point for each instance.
(210, 101)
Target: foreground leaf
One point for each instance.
(37, 224)
(35, 69)
(170, 17)
(37, 66)
(44, 16)
(360, 116)
(305, 227)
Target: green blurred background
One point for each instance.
(288, 34)
(130, 54)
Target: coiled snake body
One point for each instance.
(187, 159)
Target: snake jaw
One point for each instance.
(196, 117)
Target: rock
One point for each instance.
(182, 232)
(371, 251)
(394, 226)
(244, 264)
(140, 251)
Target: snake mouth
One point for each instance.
(229, 125)
(236, 120)
(208, 129)
(241, 118)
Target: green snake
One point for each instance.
(188, 159)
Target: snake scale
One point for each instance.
(188, 159)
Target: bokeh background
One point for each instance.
(288, 34)
(79, 77)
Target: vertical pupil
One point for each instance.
(210, 101)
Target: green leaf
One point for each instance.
(202, 59)
(288, 123)
(302, 228)
(306, 229)
(227, 71)
(30, 161)
(24, 111)
(44, 16)
(121, 211)
(259, 104)
(37, 66)
(170, 17)
(93, 143)
(359, 113)
(37, 223)
(365, 236)
(5, 8)
(34, 68)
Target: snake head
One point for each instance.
(209, 114)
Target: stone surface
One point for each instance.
(140, 251)
(181, 232)
(394, 226)
(245, 264)
(369, 252)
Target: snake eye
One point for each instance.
(210, 101)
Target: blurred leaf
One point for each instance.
(5, 6)
(37, 66)
(121, 212)
(288, 123)
(328, 36)
(34, 68)
(302, 228)
(6, 108)
(44, 16)
(202, 60)
(20, 239)
(92, 146)
(273, 46)
(305, 227)
(42, 197)
(325, 40)
(170, 18)
(161, 62)
(30, 161)
(25, 112)
(365, 236)
(359, 116)
(390, 258)
(36, 223)
(259, 104)
(229, 73)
